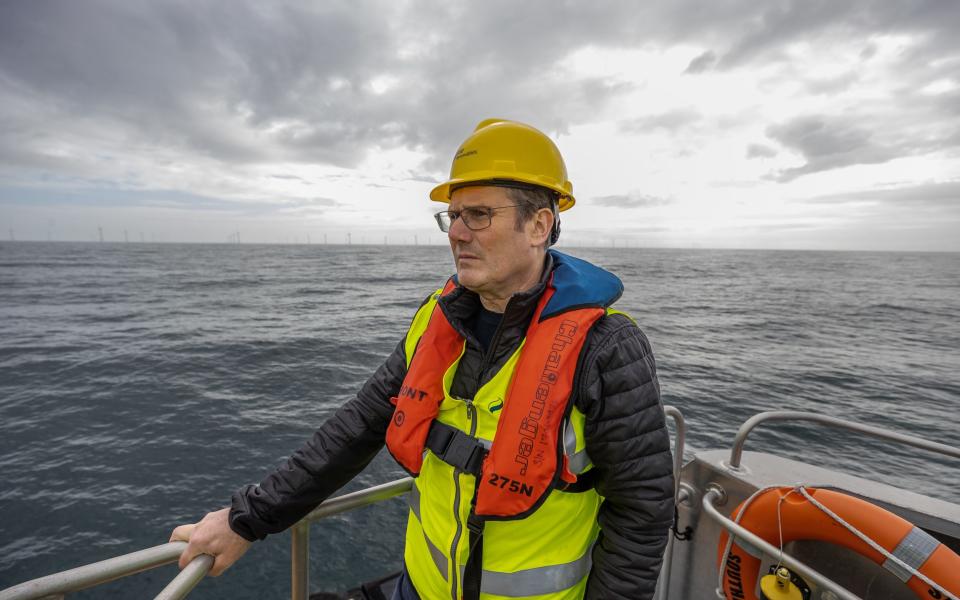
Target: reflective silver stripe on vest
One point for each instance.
(438, 558)
(578, 461)
(537, 581)
(914, 549)
(413, 500)
(528, 582)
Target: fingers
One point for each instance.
(220, 565)
(183, 533)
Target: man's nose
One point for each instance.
(459, 232)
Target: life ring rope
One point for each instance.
(817, 504)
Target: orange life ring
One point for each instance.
(801, 520)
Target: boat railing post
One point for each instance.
(680, 434)
(300, 561)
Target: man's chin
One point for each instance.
(468, 278)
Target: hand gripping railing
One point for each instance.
(750, 424)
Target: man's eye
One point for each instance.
(474, 213)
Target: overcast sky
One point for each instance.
(735, 123)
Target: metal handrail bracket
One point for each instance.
(736, 452)
(713, 495)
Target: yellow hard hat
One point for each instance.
(501, 152)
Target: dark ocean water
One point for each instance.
(140, 384)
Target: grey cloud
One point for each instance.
(832, 85)
(672, 121)
(779, 24)
(760, 151)
(318, 201)
(935, 194)
(868, 52)
(702, 62)
(630, 201)
(423, 177)
(828, 143)
(249, 82)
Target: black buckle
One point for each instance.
(475, 524)
(456, 448)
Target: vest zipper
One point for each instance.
(472, 417)
(455, 567)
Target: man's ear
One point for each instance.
(541, 227)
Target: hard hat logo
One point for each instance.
(502, 152)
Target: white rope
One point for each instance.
(874, 545)
(780, 527)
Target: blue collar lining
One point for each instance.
(580, 284)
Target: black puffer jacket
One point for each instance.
(626, 438)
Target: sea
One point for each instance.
(140, 384)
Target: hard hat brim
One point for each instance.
(441, 193)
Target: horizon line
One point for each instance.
(434, 245)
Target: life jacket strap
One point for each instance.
(456, 448)
(473, 569)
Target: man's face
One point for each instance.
(497, 260)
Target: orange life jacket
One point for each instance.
(526, 458)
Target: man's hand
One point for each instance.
(213, 536)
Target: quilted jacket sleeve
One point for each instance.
(628, 442)
(338, 451)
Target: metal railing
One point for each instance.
(59, 584)
(736, 453)
(73, 580)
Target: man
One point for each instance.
(526, 407)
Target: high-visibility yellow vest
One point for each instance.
(545, 555)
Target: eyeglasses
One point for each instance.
(474, 217)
